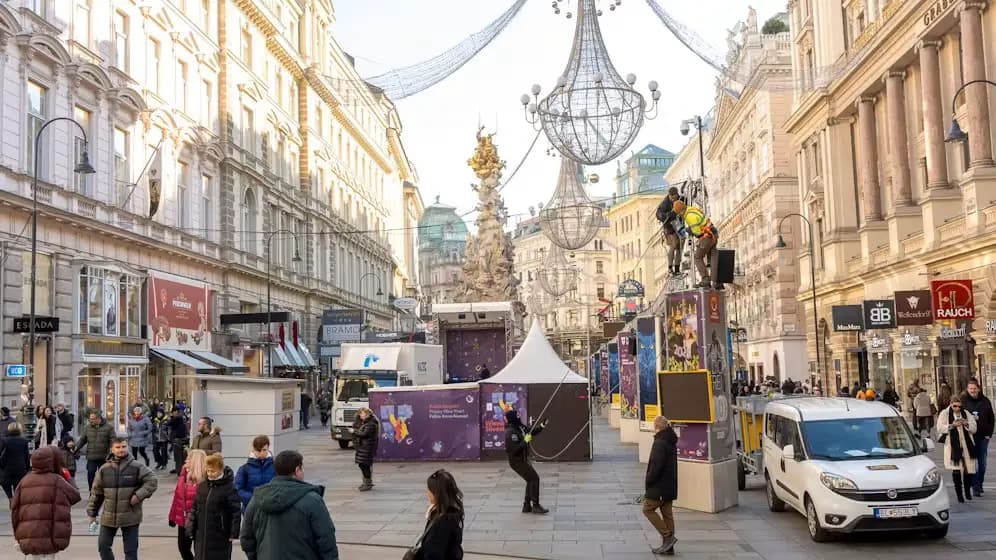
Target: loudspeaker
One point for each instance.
(722, 266)
(631, 343)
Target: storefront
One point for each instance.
(914, 364)
(955, 362)
(880, 361)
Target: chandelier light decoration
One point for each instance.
(592, 114)
(557, 277)
(570, 220)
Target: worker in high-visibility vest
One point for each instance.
(706, 234)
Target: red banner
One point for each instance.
(952, 299)
(178, 313)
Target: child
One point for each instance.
(70, 455)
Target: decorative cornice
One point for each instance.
(901, 74)
(929, 44)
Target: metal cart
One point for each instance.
(750, 426)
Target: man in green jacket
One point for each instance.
(120, 487)
(287, 518)
(97, 436)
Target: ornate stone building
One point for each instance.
(247, 128)
(894, 205)
(442, 238)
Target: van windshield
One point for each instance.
(858, 439)
(352, 389)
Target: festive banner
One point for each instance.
(614, 371)
(428, 425)
(646, 365)
(628, 403)
(683, 332)
(603, 379)
(693, 442)
(493, 417)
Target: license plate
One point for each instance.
(895, 513)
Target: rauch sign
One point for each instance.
(952, 299)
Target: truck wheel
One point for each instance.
(343, 444)
(741, 475)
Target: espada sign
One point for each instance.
(952, 299)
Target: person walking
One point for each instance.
(305, 409)
(957, 428)
(366, 431)
(943, 396)
(41, 511)
(890, 396)
(120, 487)
(923, 412)
(325, 407)
(208, 438)
(160, 440)
(517, 439)
(47, 429)
(288, 518)
(67, 448)
(139, 434)
(191, 474)
(97, 436)
(217, 513)
(661, 485)
(257, 470)
(178, 434)
(67, 420)
(5, 421)
(979, 406)
(442, 538)
(15, 459)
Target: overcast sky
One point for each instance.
(440, 123)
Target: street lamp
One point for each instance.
(955, 133)
(380, 291)
(269, 308)
(685, 129)
(83, 167)
(780, 244)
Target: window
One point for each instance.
(155, 54)
(36, 105)
(182, 192)
(248, 127)
(207, 109)
(249, 221)
(181, 85)
(121, 40)
(36, 6)
(81, 22)
(81, 182)
(122, 178)
(206, 220)
(247, 47)
(600, 291)
(206, 15)
(109, 303)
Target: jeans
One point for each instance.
(704, 248)
(160, 451)
(10, 485)
(981, 450)
(184, 544)
(129, 536)
(179, 454)
(660, 515)
(91, 471)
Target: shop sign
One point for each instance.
(952, 299)
(43, 288)
(876, 343)
(913, 308)
(948, 333)
(18, 370)
(405, 303)
(910, 339)
(42, 324)
(630, 289)
(739, 335)
(991, 326)
(880, 314)
(342, 325)
(847, 318)
(178, 313)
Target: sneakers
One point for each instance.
(538, 509)
(667, 547)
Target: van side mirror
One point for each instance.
(928, 445)
(788, 452)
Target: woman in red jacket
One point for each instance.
(41, 512)
(190, 476)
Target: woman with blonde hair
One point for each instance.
(191, 475)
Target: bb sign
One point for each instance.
(953, 299)
(880, 314)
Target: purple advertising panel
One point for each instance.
(629, 407)
(683, 332)
(603, 378)
(693, 442)
(429, 425)
(493, 396)
(468, 351)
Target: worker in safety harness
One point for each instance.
(696, 224)
(670, 224)
(517, 438)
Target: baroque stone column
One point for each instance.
(898, 146)
(976, 95)
(868, 160)
(933, 114)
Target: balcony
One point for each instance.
(913, 244)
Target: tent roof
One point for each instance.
(437, 387)
(536, 362)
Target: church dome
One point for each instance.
(441, 227)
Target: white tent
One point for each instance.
(536, 362)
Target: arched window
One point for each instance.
(249, 221)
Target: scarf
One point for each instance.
(958, 437)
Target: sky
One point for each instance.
(439, 124)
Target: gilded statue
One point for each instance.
(485, 161)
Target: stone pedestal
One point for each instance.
(707, 487)
(614, 416)
(645, 440)
(629, 430)
(902, 223)
(940, 205)
(873, 235)
(978, 191)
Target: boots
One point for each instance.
(538, 509)
(367, 485)
(958, 484)
(527, 507)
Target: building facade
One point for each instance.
(229, 137)
(754, 189)
(442, 240)
(893, 205)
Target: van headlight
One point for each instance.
(932, 478)
(836, 482)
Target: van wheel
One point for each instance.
(774, 504)
(938, 533)
(741, 475)
(816, 531)
(343, 444)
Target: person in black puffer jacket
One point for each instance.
(216, 516)
(517, 438)
(365, 431)
(443, 536)
(15, 459)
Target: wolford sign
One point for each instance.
(952, 299)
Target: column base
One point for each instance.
(873, 235)
(707, 487)
(940, 206)
(978, 190)
(902, 223)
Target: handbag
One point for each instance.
(412, 552)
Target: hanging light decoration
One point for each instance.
(592, 114)
(570, 220)
(557, 277)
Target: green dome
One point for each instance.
(441, 228)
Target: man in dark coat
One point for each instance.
(662, 484)
(890, 396)
(670, 226)
(979, 405)
(5, 420)
(15, 459)
(305, 410)
(97, 436)
(288, 518)
(179, 435)
(517, 439)
(120, 487)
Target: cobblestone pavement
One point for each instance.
(593, 515)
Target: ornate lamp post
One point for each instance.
(83, 167)
(380, 291)
(955, 133)
(780, 244)
(269, 308)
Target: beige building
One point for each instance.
(895, 206)
(246, 134)
(753, 187)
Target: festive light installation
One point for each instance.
(570, 220)
(557, 276)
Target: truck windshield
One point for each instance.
(352, 389)
(856, 439)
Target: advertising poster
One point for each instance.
(603, 368)
(614, 371)
(433, 425)
(493, 395)
(629, 405)
(596, 370)
(683, 331)
(722, 438)
(693, 442)
(178, 313)
(469, 351)
(646, 367)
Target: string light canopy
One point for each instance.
(593, 114)
(570, 220)
(557, 277)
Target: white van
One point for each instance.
(851, 466)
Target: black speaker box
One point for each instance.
(722, 266)
(631, 343)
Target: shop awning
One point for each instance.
(294, 355)
(212, 358)
(280, 358)
(177, 356)
(371, 357)
(306, 354)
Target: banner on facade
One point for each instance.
(952, 299)
(913, 308)
(178, 313)
(342, 325)
(614, 372)
(429, 425)
(879, 314)
(847, 318)
(628, 404)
